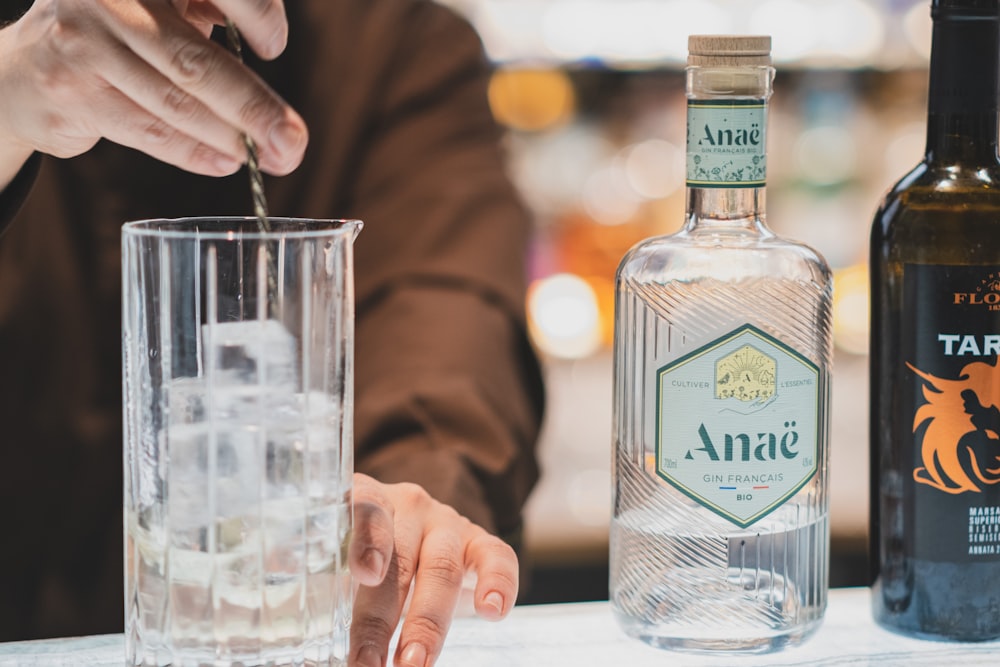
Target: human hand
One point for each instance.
(142, 73)
(403, 537)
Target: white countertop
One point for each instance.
(583, 634)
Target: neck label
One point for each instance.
(726, 143)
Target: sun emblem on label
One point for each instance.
(747, 375)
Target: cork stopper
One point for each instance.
(729, 50)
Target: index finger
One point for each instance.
(209, 73)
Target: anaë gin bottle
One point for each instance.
(935, 340)
(719, 534)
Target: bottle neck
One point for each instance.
(726, 146)
(963, 90)
(739, 208)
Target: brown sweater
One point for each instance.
(448, 391)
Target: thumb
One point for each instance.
(373, 534)
(201, 14)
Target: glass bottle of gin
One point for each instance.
(719, 533)
(935, 341)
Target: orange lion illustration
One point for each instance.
(961, 446)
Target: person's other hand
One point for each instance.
(143, 73)
(404, 538)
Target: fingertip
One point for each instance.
(286, 143)
(368, 656)
(371, 567)
(497, 574)
(208, 162)
(492, 606)
(225, 165)
(275, 46)
(372, 544)
(375, 561)
(414, 655)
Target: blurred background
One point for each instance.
(592, 95)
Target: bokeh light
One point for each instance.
(826, 154)
(654, 168)
(917, 27)
(563, 316)
(531, 99)
(850, 309)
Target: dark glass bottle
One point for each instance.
(935, 339)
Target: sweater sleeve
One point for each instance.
(13, 196)
(449, 393)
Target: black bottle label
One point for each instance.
(950, 402)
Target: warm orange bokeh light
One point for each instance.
(531, 99)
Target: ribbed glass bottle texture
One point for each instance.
(720, 533)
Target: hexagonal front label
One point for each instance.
(738, 424)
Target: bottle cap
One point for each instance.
(729, 50)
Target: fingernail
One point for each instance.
(369, 657)
(373, 560)
(286, 139)
(495, 601)
(414, 655)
